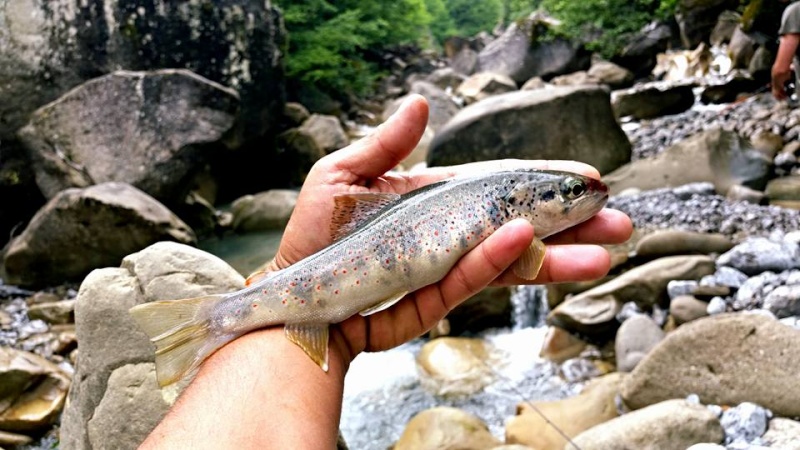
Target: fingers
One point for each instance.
(566, 263)
(389, 144)
(609, 226)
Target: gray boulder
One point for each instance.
(483, 85)
(142, 128)
(441, 108)
(326, 131)
(783, 434)
(635, 338)
(83, 229)
(115, 400)
(615, 76)
(758, 254)
(728, 89)
(721, 157)
(523, 125)
(639, 54)
(446, 78)
(672, 424)
(650, 100)
(697, 18)
(741, 48)
(268, 210)
(727, 23)
(784, 301)
(725, 359)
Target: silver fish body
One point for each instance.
(401, 244)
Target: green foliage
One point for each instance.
(472, 17)
(442, 25)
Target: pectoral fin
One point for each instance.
(255, 276)
(529, 264)
(383, 304)
(313, 339)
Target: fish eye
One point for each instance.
(573, 188)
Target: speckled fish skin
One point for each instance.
(409, 244)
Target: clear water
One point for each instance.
(244, 252)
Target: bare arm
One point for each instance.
(782, 67)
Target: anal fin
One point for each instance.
(313, 339)
(383, 304)
(528, 265)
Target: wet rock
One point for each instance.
(54, 313)
(680, 242)
(696, 19)
(326, 131)
(698, 355)
(636, 337)
(744, 422)
(594, 312)
(613, 75)
(83, 229)
(441, 108)
(454, 366)
(484, 85)
(533, 84)
(299, 151)
(686, 308)
(784, 191)
(758, 254)
(147, 129)
(162, 271)
(14, 439)
(490, 308)
(32, 391)
(500, 127)
(295, 113)
(593, 406)
(446, 78)
(580, 369)
(727, 22)
(672, 424)
(444, 427)
(728, 89)
(578, 78)
(782, 433)
(560, 345)
(716, 156)
(783, 301)
(652, 100)
(639, 53)
(264, 211)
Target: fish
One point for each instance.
(384, 246)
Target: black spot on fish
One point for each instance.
(548, 195)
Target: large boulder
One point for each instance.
(442, 108)
(697, 19)
(519, 53)
(268, 210)
(484, 85)
(725, 359)
(47, 48)
(446, 428)
(639, 54)
(718, 156)
(559, 123)
(83, 229)
(326, 131)
(115, 400)
(650, 100)
(454, 366)
(21, 197)
(146, 129)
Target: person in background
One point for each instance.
(786, 58)
(262, 392)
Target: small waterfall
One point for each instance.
(529, 305)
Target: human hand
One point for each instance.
(780, 76)
(363, 167)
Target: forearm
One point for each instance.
(260, 391)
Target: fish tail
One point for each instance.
(182, 333)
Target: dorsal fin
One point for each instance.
(350, 210)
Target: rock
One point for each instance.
(639, 53)
(489, 308)
(753, 291)
(51, 48)
(446, 78)
(264, 211)
(739, 193)
(441, 108)
(32, 391)
(717, 305)
(672, 424)
(650, 100)
(163, 271)
(299, 150)
(783, 434)
(729, 89)
(717, 156)
(483, 85)
(578, 78)
(727, 23)
(445, 428)
(761, 63)
(678, 242)
(54, 313)
(326, 131)
(520, 125)
(576, 370)
(724, 359)
(784, 191)
(533, 84)
(295, 113)
(454, 366)
(465, 62)
(593, 312)
(744, 422)
(783, 301)
(593, 406)
(559, 345)
(519, 53)
(725, 276)
(21, 197)
(758, 254)
(13, 439)
(686, 308)
(82, 229)
(613, 75)
(635, 338)
(741, 48)
(146, 129)
(768, 143)
(697, 18)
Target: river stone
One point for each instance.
(445, 428)
(110, 340)
(295, 113)
(741, 48)
(727, 22)
(298, 153)
(725, 359)
(446, 78)
(268, 210)
(484, 85)
(615, 76)
(82, 229)
(454, 366)
(784, 191)
(54, 313)
(574, 79)
(686, 308)
(650, 100)
(717, 156)
(520, 125)
(728, 89)
(593, 312)
(783, 301)
(640, 50)
(489, 308)
(739, 193)
(745, 422)
(697, 18)
(759, 254)
(678, 242)
(146, 129)
(672, 424)
(441, 107)
(783, 434)
(593, 406)
(560, 345)
(326, 131)
(636, 337)
(14, 439)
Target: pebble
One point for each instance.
(717, 305)
(725, 276)
(745, 422)
(676, 288)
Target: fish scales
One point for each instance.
(408, 244)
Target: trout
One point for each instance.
(385, 246)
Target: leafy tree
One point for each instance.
(472, 17)
(442, 25)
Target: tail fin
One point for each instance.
(181, 331)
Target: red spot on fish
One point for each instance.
(287, 291)
(255, 305)
(283, 301)
(319, 286)
(447, 250)
(436, 233)
(302, 302)
(336, 292)
(344, 270)
(334, 273)
(387, 260)
(358, 281)
(365, 273)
